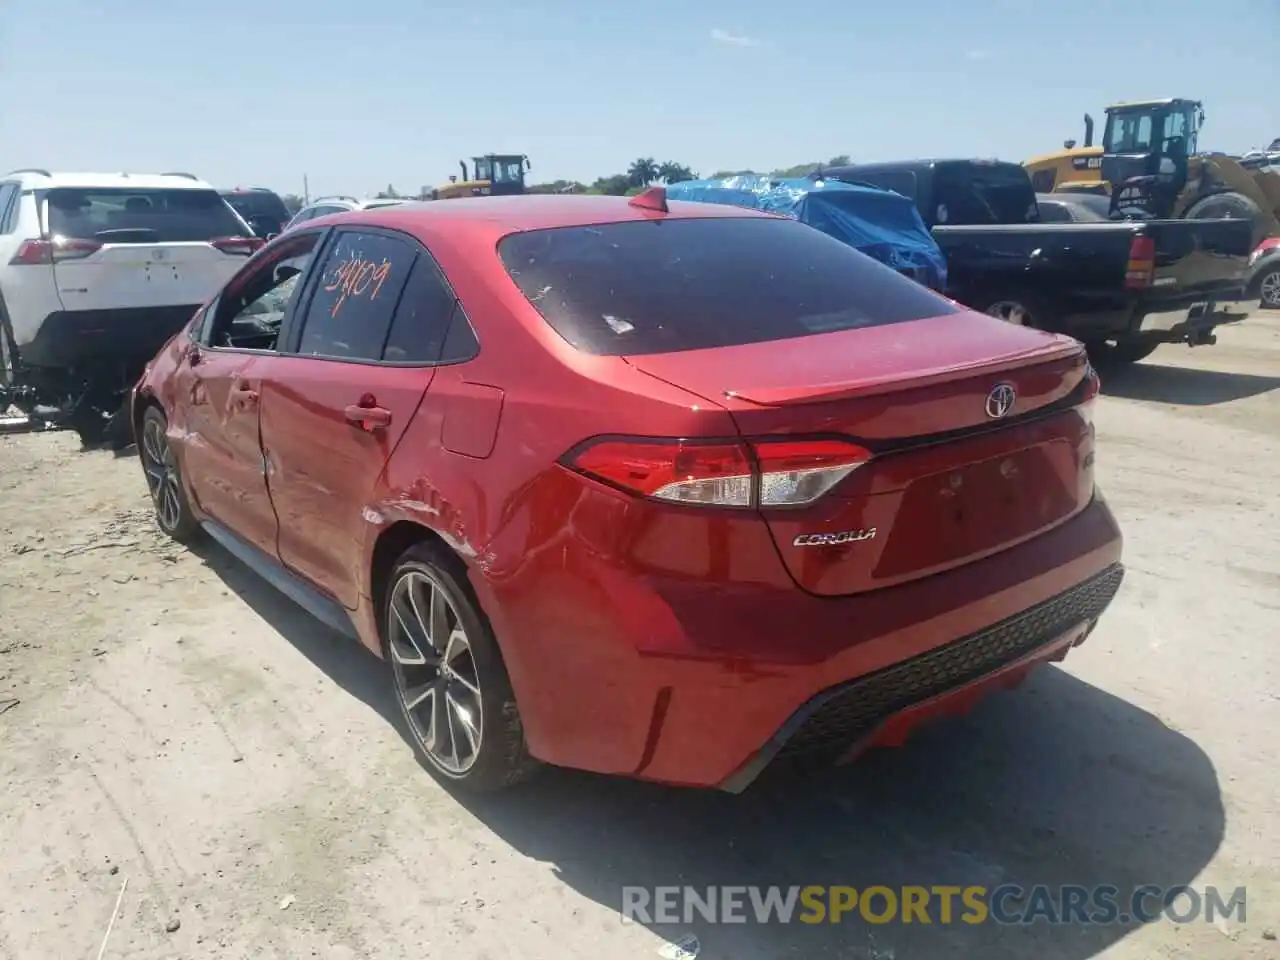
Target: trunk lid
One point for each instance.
(953, 478)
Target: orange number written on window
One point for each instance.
(356, 277)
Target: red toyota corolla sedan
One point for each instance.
(668, 491)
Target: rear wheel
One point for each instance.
(1021, 309)
(1269, 289)
(449, 678)
(1224, 206)
(8, 350)
(164, 479)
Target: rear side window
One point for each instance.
(361, 280)
(984, 194)
(422, 319)
(119, 215)
(661, 286)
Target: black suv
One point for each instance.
(261, 208)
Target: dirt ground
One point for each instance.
(182, 728)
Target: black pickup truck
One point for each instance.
(1123, 287)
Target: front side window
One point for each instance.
(484, 170)
(630, 288)
(121, 215)
(251, 311)
(359, 287)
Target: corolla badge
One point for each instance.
(833, 539)
(1000, 400)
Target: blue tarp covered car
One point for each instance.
(879, 223)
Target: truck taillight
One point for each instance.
(780, 472)
(238, 246)
(34, 253)
(1141, 268)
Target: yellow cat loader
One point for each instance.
(1148, 165)
(494, 174)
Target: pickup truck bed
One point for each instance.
(1076, 277)
(1123, 287)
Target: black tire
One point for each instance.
(8, 348)
(160, 467)
(485, 757)
(1266, 287)
(1119, 353)
(1224, 206)
(1037, 311)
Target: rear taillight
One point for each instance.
(238, 246)
(721, 473)
(33, 253)
(1141, 268)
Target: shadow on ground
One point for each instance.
(1056, 783)
(1182, 386)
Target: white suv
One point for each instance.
(323, 206)
(97, 271)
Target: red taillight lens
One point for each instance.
(238, 246)
(683, 471)
(794, 472)
(33, 253)
(1142, 263)
(772, 473)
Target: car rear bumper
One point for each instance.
(702, 684)
(881, 709)
(89, 338)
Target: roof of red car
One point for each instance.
(502, 215)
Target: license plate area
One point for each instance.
(981, 506)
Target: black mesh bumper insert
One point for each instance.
(855, 709)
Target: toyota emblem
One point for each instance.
(1000, 401)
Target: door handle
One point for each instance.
(242, 395)
(367, 418)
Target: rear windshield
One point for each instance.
(258, 203)
(662, 286)
(119, 215)
(983, 194)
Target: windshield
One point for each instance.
(118, 215)
(484, 170)
(983, 194)
(633, 288)
(257, 203)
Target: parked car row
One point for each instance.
(672, 491)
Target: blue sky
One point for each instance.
(359, 95)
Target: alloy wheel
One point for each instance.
(1270, 289)
(161, 469)
(1010, 311)
(435, 672)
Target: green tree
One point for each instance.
(642, 172)
(672, 172)
(388, 194)
(615, 186)
(292, 203)
(804, 169)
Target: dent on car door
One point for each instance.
(220, 386)
(334, 409)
